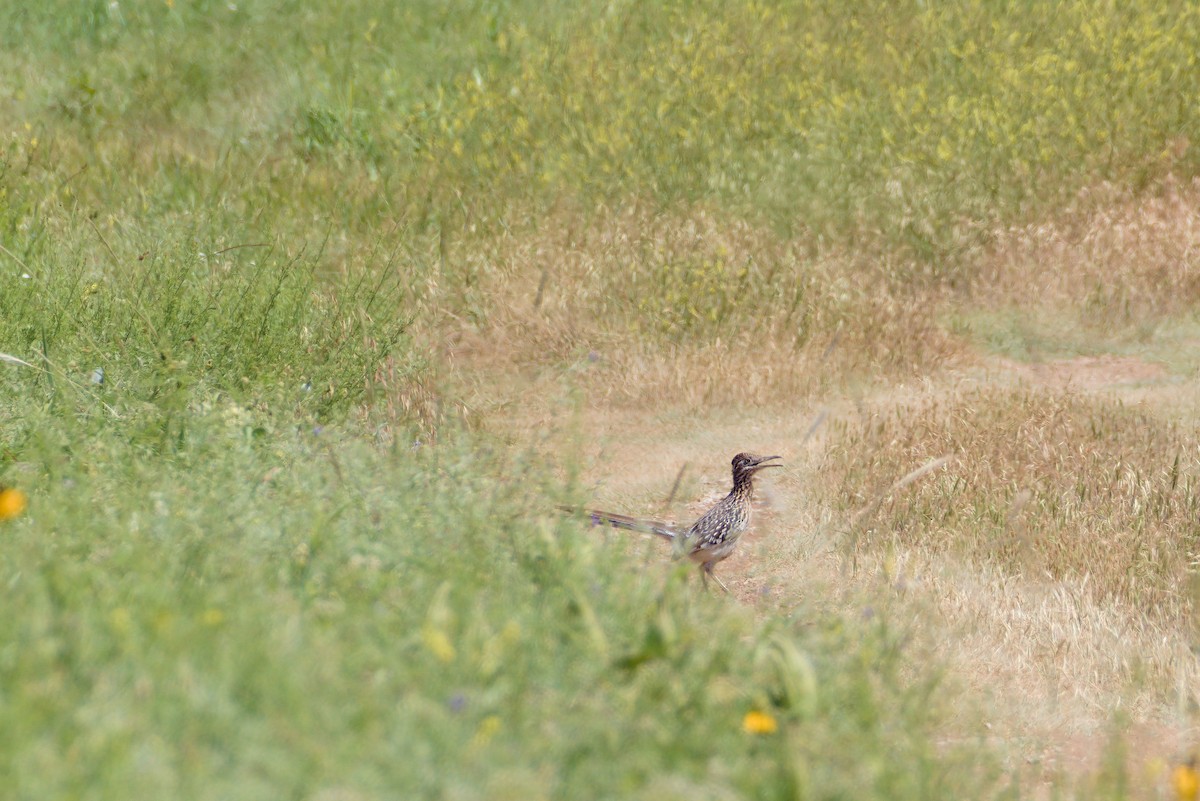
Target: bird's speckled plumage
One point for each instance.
(714, 536)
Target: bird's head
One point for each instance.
(746, 465)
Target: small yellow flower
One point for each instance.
(438, 643)
(1186, 781)
(488, 728)
(12, 503)
(759, 723)
(212, 617)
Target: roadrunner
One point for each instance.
(713, 537)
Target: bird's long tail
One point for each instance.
(600, 518)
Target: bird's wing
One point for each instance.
(705, 532)
(600, 518)
(691, 540)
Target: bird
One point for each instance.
(713, 537)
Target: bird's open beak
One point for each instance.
(763, 462)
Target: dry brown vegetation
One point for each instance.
(1046, 483)
(639, 306)
(1115, 259)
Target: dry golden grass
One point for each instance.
(1049, 671)
(641, 307)
(1054, 557)
(1045, 482)
(1114, 259)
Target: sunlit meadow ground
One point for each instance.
(320, 311)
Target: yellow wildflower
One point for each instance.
(438, 643)
(488, 727)
(1186, 781)
(12, 503)
(759, 723)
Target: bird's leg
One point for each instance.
(706, 571)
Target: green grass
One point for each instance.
(242, 576)
(1024, 335)
(920, 127)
